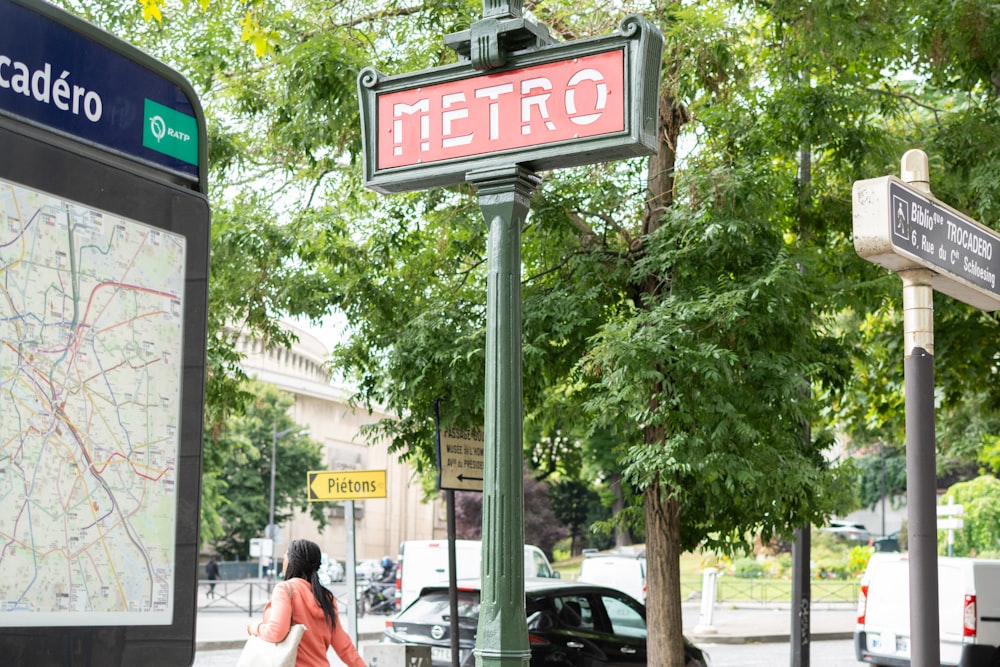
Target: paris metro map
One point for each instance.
(91, 329)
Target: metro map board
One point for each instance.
(104, 285)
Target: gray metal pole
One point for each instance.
(271, 532)
(801, 598)
(801, 549)
(452, 578)
(921, 472)
(881, 451)
(270, 514)
(352, 572)
(502, 640)
(921, 469)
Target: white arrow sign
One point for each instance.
(949, 510)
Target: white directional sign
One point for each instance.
(899, 227)
(950, 523)
(260, 546)
(950, 509)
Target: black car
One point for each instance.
(569, 625)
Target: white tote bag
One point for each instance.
(261, 653)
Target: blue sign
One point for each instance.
(119, 99)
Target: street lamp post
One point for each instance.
(271, 528)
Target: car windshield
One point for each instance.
(435, 608)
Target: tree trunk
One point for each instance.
(663, 578)
(622, 536)
(665, 638)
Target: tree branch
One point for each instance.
(910, 98)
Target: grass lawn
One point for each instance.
(732, 589)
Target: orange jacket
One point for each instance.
(285, 610)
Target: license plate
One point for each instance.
(439, 654)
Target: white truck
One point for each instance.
(425, 563)
(968, 608)
(626, 572)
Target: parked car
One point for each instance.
(624, 572)
(888, 542)
(425, 563)
(569, 624)
(968, 611)
(853, 532)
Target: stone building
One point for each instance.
(380, 524)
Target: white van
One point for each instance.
(968, 608)
(626, 573)
(425, 563)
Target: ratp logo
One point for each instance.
(158, 127)
(170, 132)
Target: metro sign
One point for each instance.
(563, 105)
(560, 101)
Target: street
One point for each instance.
(836, 653)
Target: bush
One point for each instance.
(747, 568)
(857, 559)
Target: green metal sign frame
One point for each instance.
(641, 44)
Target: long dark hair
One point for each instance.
(303, 561)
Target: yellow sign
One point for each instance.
(460, 460)
(346, 484)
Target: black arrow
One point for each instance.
(462, 478)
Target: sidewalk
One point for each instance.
(227, 629)
(219, 629)
(755, 623)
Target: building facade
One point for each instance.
(380, 524)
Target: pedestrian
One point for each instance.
(212, 574)
(302, 599)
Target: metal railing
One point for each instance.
(249, 595)
(731, 590)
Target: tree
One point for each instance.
(881, 474)
(246, 477)
(541, 526)
(574, 504)
(980, 533)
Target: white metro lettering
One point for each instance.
(39, 84)
(541, 104)
(494, 93)
(602, 96)
(401, 110)
(452, 116)
(537, 101)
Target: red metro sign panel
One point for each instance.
(560, 101)
(563, 105)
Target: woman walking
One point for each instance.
(302, 599)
